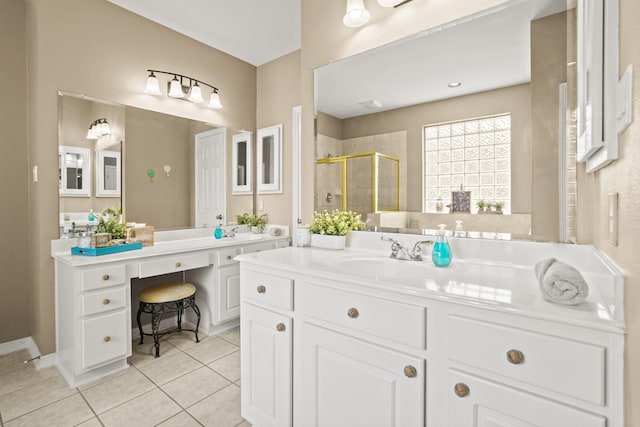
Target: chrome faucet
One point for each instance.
(400, 252)
(231, 233)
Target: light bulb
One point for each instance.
(214, 100)
(153, 87)
(175, 88)
(195, 94)
(356, 14)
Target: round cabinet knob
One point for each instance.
(105, 277)
(280, 327)
(229, 257)
(410, 371)
(353, 313)
(515, 356)
(261, 289)
(178, 264)
(107, 339)
(461, 389)
(106, 301)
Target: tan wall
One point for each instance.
(278, 85)
(105, 57)
(514, 99)
(548, 70)
(14, 174)
(623, 177)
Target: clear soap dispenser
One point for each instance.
(441, 253)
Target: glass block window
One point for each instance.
(474, 154)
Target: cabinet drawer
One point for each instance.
(104, 339)
(103, 277)
(565, 366)
(484, 403)
(226, 256)
(399, 322)
(171, 264)
(258, 247)
(267, 289)
(102, 301)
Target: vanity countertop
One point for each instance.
(507, 284)
(60, 249)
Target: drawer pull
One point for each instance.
(353, 313)
(410, 371)
(178, 264)
(515, 356)
(107, 338)
(261, 289)
(105, 277)
(461, 389)
(229, 257)
(280, 327)
(106, 301)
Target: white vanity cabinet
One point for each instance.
(372, 353)
(93, 295)
(267, 352)
(93, 315)
(220, 288)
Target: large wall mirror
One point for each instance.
(493, 92)
(144, 165)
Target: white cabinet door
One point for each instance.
(266, 364)
(227, 294)
(348, 382)
(104, 339)
(476, 402)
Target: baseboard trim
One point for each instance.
(30, 345)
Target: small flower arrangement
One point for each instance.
(110, 222)
(252, 220)
(335, 223)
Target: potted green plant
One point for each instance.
(110, 223)
(329, 229)
(256, 223)
(498, 206)
(482, 206)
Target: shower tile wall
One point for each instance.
(393, 144)
(359, 179)
(328, 176)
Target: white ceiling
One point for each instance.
(483, 52)
(256, 31)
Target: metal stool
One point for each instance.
(167, 298)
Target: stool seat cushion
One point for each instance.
(167, 292)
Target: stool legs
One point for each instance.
(157, 310)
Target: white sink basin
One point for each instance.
(389, 268)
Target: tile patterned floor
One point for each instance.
(188, 385)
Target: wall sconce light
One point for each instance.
(177, 88)
(356, 15)
(99, 128)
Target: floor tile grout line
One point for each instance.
(24, 386)
(91, 407)
(43, 406)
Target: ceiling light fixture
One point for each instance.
(356, 15)
(454, 84)
(99, 128)
(177, 89)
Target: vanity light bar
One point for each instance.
(176, 88)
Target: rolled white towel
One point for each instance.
(561, 283)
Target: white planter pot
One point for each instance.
(328, 242)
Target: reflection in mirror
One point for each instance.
(512, 60)
(108, 173)
(74, 171)
(120, 164)
(269, 160)
(242, 163)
